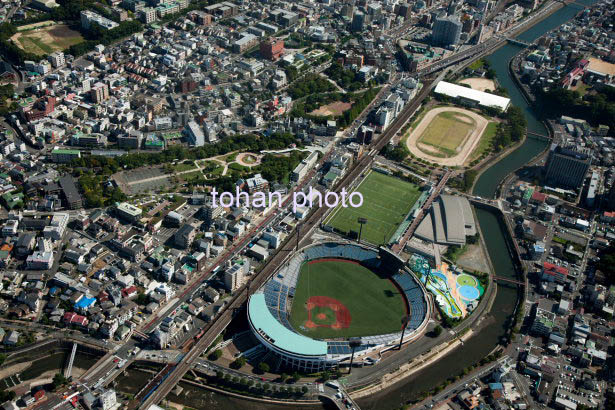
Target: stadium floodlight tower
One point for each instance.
(362, 221)
(298, 236)
(404, 324)
(354, 342)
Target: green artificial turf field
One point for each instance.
(374, 303)
(386, 202)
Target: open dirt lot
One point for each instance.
(141, 180)
(480, 84)
(46, 39)
(601, 66)
(334, 109)
(463, 148)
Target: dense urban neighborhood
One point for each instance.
(326, 204)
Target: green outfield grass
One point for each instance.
(447, 131)
(386, 202)
(375, 304)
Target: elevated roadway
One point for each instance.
(423, 211)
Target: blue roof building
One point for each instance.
(84, 303)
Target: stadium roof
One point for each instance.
(278, 335)
(483, 98)
(449, 222)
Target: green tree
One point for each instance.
(607, 263)
(142, 299)
(437, 331)
(263, 367)
(238, 363)
(215, 355)
(59, 380)
(283, 377)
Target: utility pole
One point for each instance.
(298, 234)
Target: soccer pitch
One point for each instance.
(374, 303)
(386, 202)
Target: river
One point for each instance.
(494, 325)
(494, 234)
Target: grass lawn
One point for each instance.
(192, 176)
(212, 169)
(447, 131)
(183, 167)
(238, 167)
(33, 45)
(485, 141)
(386, 202)
(582, 88)
(374, 303)
(476, 65)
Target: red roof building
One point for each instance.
(272, 49)
(129, 292)
(554, 273)
(71, 318)
(538, 197)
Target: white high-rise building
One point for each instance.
(234, 276)
(57, 59)
(108, 400)
(446, 31)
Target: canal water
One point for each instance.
(55, 363)
(494, 325)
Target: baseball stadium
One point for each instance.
(330, 296)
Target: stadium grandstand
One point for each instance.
(269, 309)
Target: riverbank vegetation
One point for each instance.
(452, 379)
(597, 107)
